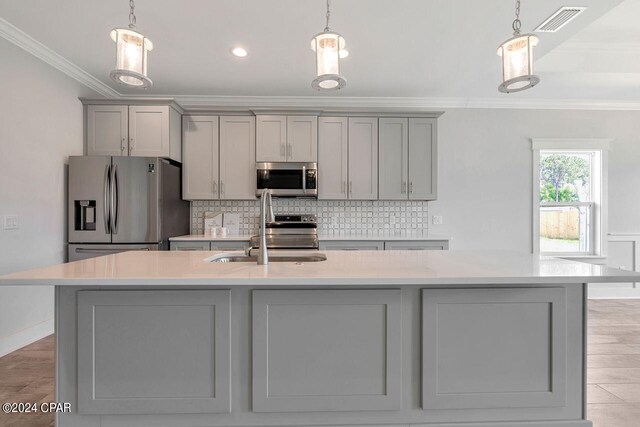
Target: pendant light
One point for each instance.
(329, 47)
(131, 54)
(517, 59)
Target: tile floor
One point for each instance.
(613, 375)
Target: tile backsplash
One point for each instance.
(334, 217)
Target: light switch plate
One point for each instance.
(10, 222)
(436, 220)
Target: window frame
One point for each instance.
(598, 204)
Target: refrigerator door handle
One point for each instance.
(107, 205)
(115, 202)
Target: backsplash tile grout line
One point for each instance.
(334, 217)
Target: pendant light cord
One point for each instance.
(132, 14)
(328, 15)
(516, 23)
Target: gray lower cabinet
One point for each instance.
(496, 348)
(352, 245)
(154, 352)
(326, 350)
(409, 245)
(229, 246)
(189, 246)
(209, 245)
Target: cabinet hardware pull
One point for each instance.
(403, 186)
(221, 187)
(411, 187)
(351, 187)
(215, 187)
(122, 147)
(344, 187)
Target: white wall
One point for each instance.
(40, 126)
(485, 176)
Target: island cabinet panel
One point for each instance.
(153, 352)
(326, 350)
(494, 348)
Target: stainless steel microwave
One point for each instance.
(288, 179)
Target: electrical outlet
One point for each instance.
(436, 219)
(11, 222)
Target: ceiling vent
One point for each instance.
(562, 17)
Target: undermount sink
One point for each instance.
(272, 258)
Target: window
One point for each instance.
(568, 197)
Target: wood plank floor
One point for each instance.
(613, 374)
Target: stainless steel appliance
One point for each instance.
(290, 232)
(288, 179)
(118, 204)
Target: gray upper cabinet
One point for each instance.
(271, 138)
(107, 130)
(408, 159)
(393, 163)
(135, 130)
(238, 157)
(302, 139)
(363, 158)
(136, 369)
(333, 144)
(326, 350)
(423, 159)
(286, 138)
(200, 173)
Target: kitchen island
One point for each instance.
(400, 338)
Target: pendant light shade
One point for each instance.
(131, 55)
(329, 48)
(517, 59)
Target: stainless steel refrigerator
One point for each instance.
(118, 204)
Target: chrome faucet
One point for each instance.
(266, 215)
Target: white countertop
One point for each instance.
(369, 268)
(321, 237)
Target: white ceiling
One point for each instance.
(399, 48)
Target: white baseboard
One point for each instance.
(602, 292)
(26, 336)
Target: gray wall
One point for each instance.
(485, 171)
(40, 126)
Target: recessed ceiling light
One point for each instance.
(240, 52)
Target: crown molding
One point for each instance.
(37, 49)
(404, 104)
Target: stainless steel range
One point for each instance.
(290, 232)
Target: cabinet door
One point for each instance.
(189, 246)
(326, 350)
(271, 138)
(107, 128)
(363, 158)
(496, 348)
(200, 153)
(393, 152)
(154, 352)
(149, 131)
(364, 245)
(412, 245)
(238, 157)
(423, 159)
(302, 139)
(332, 158)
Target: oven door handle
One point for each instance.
(304, 179)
